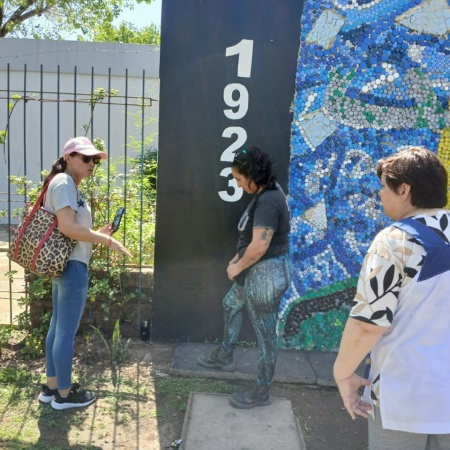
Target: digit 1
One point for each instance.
(245, 51)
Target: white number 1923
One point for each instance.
(235, 96)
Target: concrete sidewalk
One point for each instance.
(293, 366)
(210, 421)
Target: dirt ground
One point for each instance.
(140, 406)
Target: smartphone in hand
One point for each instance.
(117, 219)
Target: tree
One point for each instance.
(126, 33)
(20, 18)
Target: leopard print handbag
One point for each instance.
(37, 244)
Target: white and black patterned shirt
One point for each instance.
(391, 263)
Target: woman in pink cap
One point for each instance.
(69, 291)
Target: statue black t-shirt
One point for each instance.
(268, 209)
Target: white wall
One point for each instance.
(30, 68)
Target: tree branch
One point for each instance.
(20, 16)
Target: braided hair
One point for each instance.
(255, 165)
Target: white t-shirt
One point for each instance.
(63, 192)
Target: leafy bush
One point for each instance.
(5, 335)
(106, 191)
(117, 350)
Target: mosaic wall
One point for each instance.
(373, 77)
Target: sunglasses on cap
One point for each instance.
(87, 159)
(241, 157)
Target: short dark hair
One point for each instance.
(255, 165)
(421, 169)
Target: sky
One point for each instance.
(143, 14)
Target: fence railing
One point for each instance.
(39, 112)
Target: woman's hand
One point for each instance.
(349, 390)
(235, 259)
(358, 339)
(119, 248)
(233, 270)
(113, 244)
(106, 229)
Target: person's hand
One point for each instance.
(233, 270)
(348, 388)
(119, 248)
(106, 229)
(234, 260)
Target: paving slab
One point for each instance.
(211, 423)
(293, 366)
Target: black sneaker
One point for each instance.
(77, 398)
(218, 359)
(46, 395)
(258, 396)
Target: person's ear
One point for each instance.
(405, 189)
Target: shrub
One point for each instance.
(107, 190)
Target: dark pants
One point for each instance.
(261, 294)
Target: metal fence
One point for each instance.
(39, 112)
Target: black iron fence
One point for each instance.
(39, 112)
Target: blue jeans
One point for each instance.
(260, 294)
(69, 293)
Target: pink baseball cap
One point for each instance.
(83, 146)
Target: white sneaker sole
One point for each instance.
(61, 406)
(45, 398)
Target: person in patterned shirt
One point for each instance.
(401, 312)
